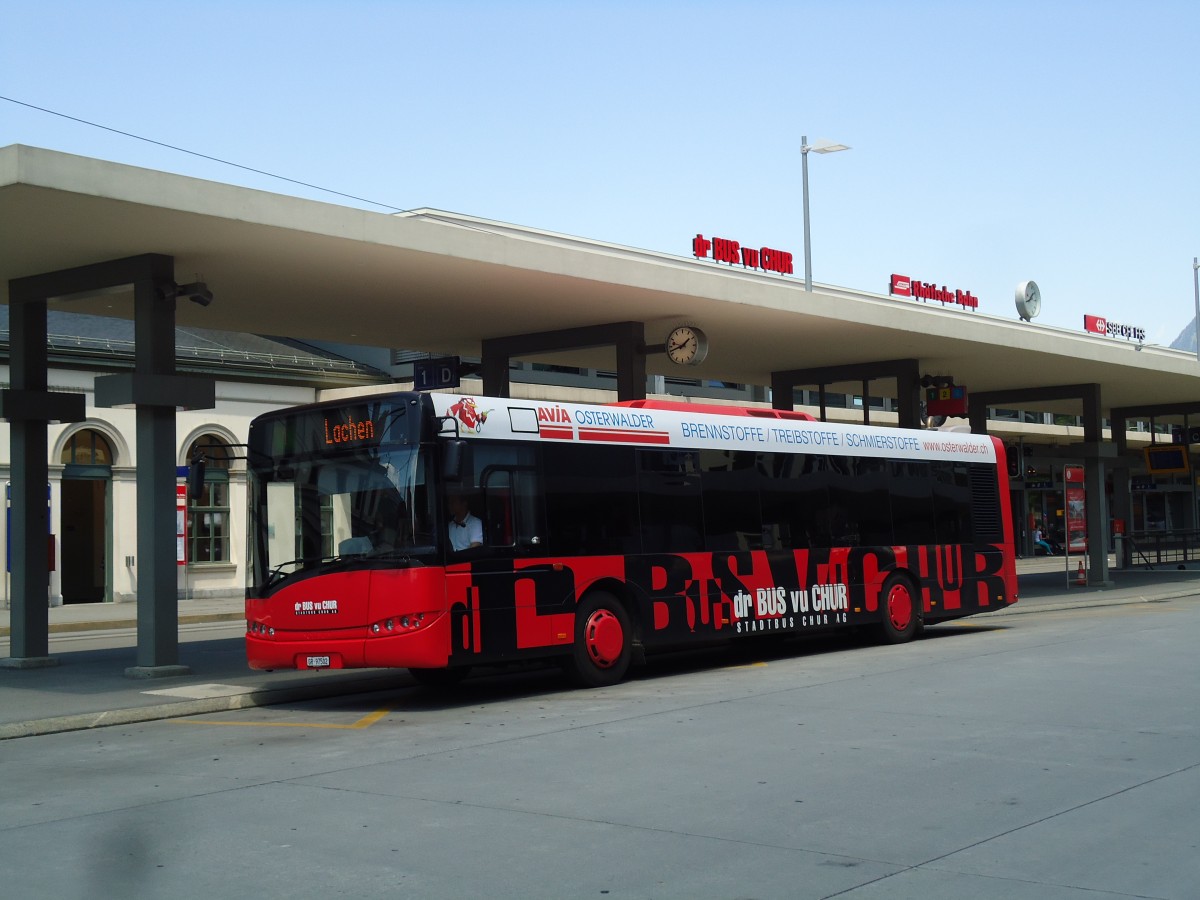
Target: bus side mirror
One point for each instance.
(195, 478)
(455, 460)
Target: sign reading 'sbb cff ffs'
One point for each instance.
(1108, 328)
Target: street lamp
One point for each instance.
(1196, 287)
(819, 147)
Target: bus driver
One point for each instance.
(466, 531)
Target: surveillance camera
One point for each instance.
(197, 292)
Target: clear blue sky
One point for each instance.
(992, 143)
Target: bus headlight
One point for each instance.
(399, 624)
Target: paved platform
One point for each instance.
(94, 644)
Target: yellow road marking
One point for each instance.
(365, 722)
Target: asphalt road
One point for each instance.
(1028, 756)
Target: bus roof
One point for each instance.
(669, 425)
(716, 409)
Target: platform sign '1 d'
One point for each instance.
(435, 374)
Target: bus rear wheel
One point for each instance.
(603, 645)
(900, 606)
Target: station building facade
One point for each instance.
(93, 463)
(91, 495)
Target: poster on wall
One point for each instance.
(181, 500)
(1075, 505)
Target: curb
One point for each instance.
(183, 708)
(1017, 609)
(314, 690)
(119, 624)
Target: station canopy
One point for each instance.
(442, 283)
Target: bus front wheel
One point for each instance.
(603, 645)
(900, 607)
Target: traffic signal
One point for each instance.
(1014, 462)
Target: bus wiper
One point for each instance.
(401, 555)
(277, 574)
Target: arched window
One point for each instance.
(208, 515)
(87, 447)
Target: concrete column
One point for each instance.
(494, 365)
(631, 360)
(1123, 509)
(908, 394)
(155, 390)
(30, 637)
(29, 406)
(905, 371)
(1097, 521)
(627, 337)
(1122, 495)
(157, 596)
(1093, 480)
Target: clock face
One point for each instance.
(687, 346)
(1029, 300)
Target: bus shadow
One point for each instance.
(494, 684)
(960, 628)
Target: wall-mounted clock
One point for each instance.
(687, 345)
(1029, 300)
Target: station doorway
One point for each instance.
(86, 519)
(84, 565)
(1044, 513)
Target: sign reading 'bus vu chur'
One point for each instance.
(903, 286)
(727, 251)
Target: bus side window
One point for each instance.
(671, 507)
(732, 515)
(952, 502)
(512, 507)
(795, 500)
(590, 500)
(498, 511)
(912, 502)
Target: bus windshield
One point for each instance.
(311, 515)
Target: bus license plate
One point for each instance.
(318, 662)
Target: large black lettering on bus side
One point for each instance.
(495, 584)
(664, 580)
(982, 578)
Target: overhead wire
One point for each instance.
(244, 168)
(224, 162)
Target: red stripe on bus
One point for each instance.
(632, 437)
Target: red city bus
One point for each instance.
(604, 532)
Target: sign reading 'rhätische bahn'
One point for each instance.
(903, 286)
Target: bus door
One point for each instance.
(513, 598)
